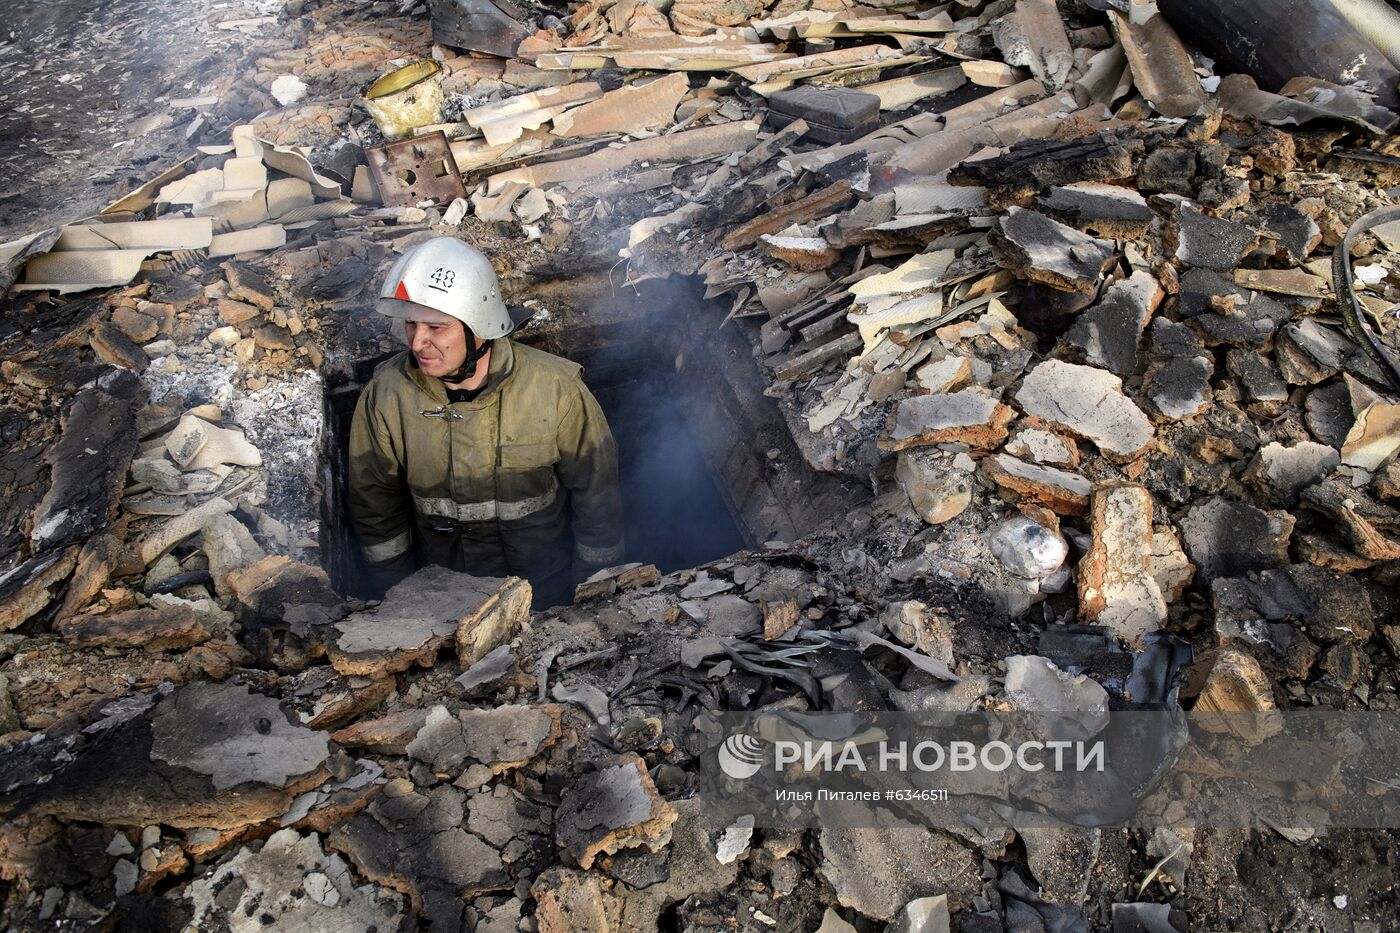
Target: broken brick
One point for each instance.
(569, 901)
(1035, 164)
(1236, 687)
(946, 375)
(236, 312)
(1038, 445)
(1116, 585)
(32, 586)
(495, 621)
(389, 734)
(272, 337)
(162, 628)
(117, 349)
(138, 327)
(1170, 566)
(246, 285)
(1360, 520)
(806, 254)
(937, 490)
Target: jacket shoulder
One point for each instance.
(390, 382)
(394, 365)
(388, 373)
(546, 366)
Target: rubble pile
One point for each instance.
(1110, 335)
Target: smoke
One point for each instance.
(656, 380)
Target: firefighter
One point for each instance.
(472, 451)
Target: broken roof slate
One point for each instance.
(1201, 241)
(1041, 250)
(1108, 334)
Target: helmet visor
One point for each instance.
(412, 311)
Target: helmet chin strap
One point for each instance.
(468, 367)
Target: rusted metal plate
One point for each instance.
(411, 171)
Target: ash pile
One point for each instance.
(1107, 326)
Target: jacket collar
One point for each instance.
(498, 372)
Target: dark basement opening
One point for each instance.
(707, 466)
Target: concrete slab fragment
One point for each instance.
(1180, 388)
(290, 885)
(972, 416)
(415, 842)
(234, 736)
(1227, 539)
(1101, 209)
(614, 808)
(878, 870)
(503, 738)
(1281, 473)
(1087, 402)
(1202, 241)
(1108, 334)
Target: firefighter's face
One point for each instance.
(438, 341)
(440, 348)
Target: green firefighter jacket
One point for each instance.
(493, 486)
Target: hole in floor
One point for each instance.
(706, 464)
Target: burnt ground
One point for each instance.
(84, 107)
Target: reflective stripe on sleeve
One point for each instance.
(484, 511)
(599, 556)
(387, 550)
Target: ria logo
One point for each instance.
(741, 756)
